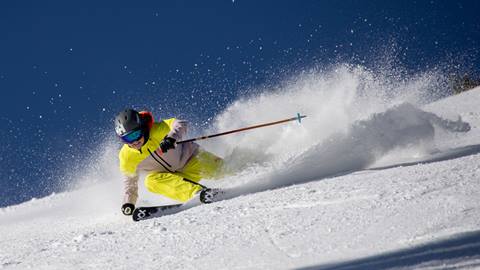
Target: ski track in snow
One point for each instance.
(381, 204)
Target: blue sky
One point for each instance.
(67, 68)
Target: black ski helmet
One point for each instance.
(126, 121)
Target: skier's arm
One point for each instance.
(178, 129)
(130, 185)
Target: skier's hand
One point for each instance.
(167, 144)
(127, 209)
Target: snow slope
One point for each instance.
(394, 188)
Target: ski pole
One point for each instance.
(297, 118)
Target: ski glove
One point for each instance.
(167, 144)
(127, 209)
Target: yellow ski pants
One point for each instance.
(183, 185)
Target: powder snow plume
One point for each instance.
(354, 119)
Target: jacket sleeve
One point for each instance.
(178, 129)
(130, 185)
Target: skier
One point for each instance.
(173, 170)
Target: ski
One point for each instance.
(147, 212)
(206, 196)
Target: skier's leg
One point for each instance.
(203, 165)
(173, 186)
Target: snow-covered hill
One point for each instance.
(397, 189)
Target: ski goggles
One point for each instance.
(132, 136)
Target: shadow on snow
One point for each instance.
(462, 250)
(441, 156)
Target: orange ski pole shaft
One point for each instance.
(297, 118)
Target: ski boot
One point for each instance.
(209, 195)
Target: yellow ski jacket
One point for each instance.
(150, 157)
